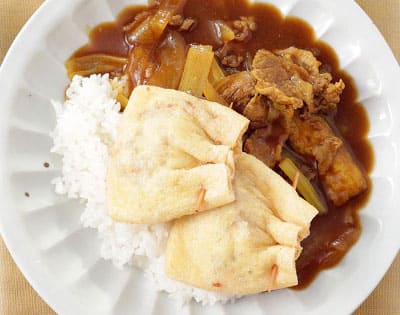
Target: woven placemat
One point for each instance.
(16, 295)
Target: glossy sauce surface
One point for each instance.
(332, 235)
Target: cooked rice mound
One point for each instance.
(84, 134)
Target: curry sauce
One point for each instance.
(333, 234)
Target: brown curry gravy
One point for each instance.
(332, 235)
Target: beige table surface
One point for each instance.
(17, 297)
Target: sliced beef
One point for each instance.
(244, 27)
(257, 111)
(341, 176)
(302, 58)
(281, 86)
(223, 51)
(266, 145)
(183, 24)
(277, 96)
(232, 61)
(273, 125)
(291, 77)
(326, 93)
(281, 80)
(237, 89)
(330, 97)
(321, 82)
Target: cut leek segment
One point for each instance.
(304, 187)
(212, 95)
(216, 73)
(196, 71)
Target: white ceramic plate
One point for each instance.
(61, 260)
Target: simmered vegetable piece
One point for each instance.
(171, 61)
(212, 95)
(197, 69)
(96, 63)
(145, 39)
(303, 185)
(152, 28)
(216, 73)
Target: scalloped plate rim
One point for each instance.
(32, 269)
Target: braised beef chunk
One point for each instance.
(330, 97)
(257, 111)
(340, 175)
(302, 58)
(272, 130)
(237, 89)
(326, 93)
(287, 89)
(266, 145)
(291, 77)
(320, 83)
(281, 80)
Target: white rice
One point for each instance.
(86, 130)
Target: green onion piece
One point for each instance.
(216, 73)
(197, 67)
(304, 186)
(212, 95)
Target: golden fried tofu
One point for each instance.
(344, 179)
(247, 246)
(341, 176)
(170, 148)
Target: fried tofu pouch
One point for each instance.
(235, 248)
(171, 146)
